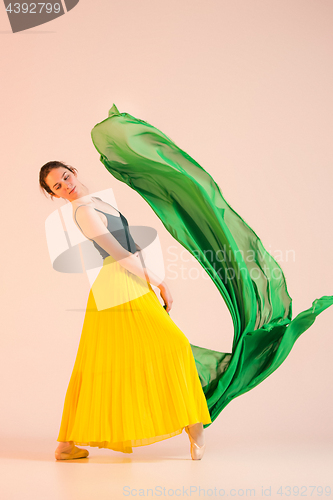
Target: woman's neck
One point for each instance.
(85, 199)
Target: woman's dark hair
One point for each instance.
(46, 169)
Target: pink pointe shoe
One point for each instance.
(72, 455)
(197, 452)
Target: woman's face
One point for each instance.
(63, 183)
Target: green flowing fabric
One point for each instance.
(190, 205)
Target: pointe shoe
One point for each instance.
(197, 452)
(75, 453)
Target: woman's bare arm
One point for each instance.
(93, 228)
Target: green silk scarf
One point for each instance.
(191, 207)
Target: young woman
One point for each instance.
(134, 380)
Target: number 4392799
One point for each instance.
(33, 8)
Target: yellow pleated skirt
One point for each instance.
(134, 380)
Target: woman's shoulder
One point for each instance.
(82, 202)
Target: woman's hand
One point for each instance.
(166, 295)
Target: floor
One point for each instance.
(248, 468)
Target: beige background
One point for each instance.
(245, 88)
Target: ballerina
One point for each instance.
(134, 381)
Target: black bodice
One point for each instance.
(118, 227)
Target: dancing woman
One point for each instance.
(134, 380)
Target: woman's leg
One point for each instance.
(197, 433)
